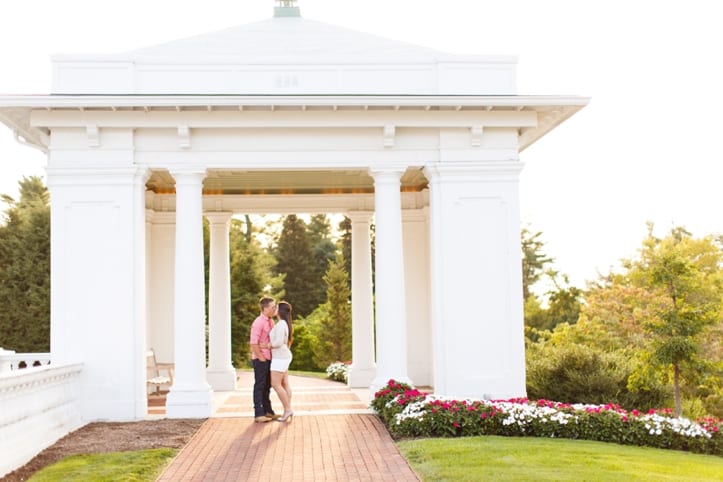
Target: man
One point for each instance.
(261, 359)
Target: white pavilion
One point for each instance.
(286, 115)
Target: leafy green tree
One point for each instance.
(295, 260)
(560, 305)
(686, 273)
(614, 313)
(303, 347)
(25, 269)
(564, 304)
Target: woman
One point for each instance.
(281, 358)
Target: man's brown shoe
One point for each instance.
(273, 416)
(262, 419)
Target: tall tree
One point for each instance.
(687, 274)
(323, 251)
(335, 335)
(251, 278)
(534, 260)
(345, 244)
(563, 305)
(296, 262)
(25, 269)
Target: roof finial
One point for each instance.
(286, 8)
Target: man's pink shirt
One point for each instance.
(260, 329)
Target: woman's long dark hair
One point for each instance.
(284, 311)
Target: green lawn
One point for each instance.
(519, 459)
(142, 465)
(456, 459)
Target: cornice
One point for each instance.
(549, 111)
(141, 101)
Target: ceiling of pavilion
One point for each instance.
(234, 181)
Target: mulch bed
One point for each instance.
(103, 437)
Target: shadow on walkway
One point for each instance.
(333, 436)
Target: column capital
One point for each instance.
(188, 175)
(218, 217)
(380, 172)
(360, 216)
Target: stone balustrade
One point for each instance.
(9, 360)
(39, 406)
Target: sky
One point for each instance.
(643, 150)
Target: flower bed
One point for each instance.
(338, 371)
(407, 412)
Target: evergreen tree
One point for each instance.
(323, 251)
(345, 244)
(296, 262)
(335, 335)
(25, 269)
(250, 280)
(534, 260)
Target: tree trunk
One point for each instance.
(676, 389)
(248, 232)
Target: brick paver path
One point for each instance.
(332, 436)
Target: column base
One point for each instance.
(359, 377)
(189, 403)
(221, 380)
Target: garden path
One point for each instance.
(333, 436)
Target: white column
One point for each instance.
(97, 282)
(476, 280)
(220, 373)
(190, 395)
(391, 320)
(415, 226)
(363, 369)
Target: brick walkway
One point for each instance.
(332, 436)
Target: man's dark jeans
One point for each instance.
(262, 388)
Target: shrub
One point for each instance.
(577, 373)
(407, 412)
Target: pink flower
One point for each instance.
(455, 424)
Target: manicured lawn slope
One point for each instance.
(517, 458)
(142, 465)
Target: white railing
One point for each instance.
(39, 406)
(9, 360)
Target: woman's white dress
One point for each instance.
(280, 353)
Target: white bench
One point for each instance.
(154, 376)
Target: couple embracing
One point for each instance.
(271, 357)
